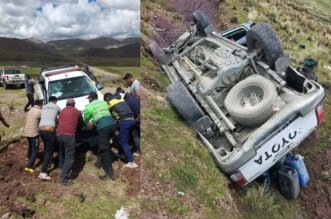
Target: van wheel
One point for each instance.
(201, 21)
(250, 102)
(263, 38)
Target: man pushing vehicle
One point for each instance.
(98, 113)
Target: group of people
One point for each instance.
(58, 129)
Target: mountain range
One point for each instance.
(14, 49)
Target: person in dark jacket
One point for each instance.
(29, 89)
(70, 119)
(125, 117)
(134, 103)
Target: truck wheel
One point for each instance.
(263, 38)
(184, 103)
(201, 21)
(250, 102)
(158, 53)
(22, 85)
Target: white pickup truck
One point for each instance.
(10, 76)
(65, 83)
(248, 105)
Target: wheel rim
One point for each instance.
(251, 98)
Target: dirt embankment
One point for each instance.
(23, 194)
(166, 28)
(316, 198)
(14, 182)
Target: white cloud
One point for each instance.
(60, 19)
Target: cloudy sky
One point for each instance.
(63, 19)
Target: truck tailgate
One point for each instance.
(276, 147)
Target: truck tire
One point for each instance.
(184, 103)
(201, 21)
(263, 38)
(250, 102)
(158, 53)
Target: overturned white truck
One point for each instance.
(248, 105)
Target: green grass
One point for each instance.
(184, 161)
(104, 61)
(31, 70)
(153, 75)
(253, 204)
(11, 102)
(296, 23)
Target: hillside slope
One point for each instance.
(176, 153)
(13, 49)
(127, 51)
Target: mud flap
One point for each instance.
(181, 98)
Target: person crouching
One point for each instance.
(125, 118)
(70, 119)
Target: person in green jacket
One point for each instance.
(98, 113)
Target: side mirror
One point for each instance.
(99, 86)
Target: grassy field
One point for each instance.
(104, 61)
(295, 23)
(185, 182)
(31, 70)
(11, 105)
(122, 70)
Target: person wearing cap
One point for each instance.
(125, 118)
(134, 104)
(47, 126)
(70, 119)
(133, 83)
(97, 112)
(31, 133)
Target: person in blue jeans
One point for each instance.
(125, 117)
(134, 103)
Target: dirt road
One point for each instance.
(107, 76)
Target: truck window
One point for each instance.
(12, 72)
(70, 87)
(238, 35)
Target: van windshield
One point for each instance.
(70, 88)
